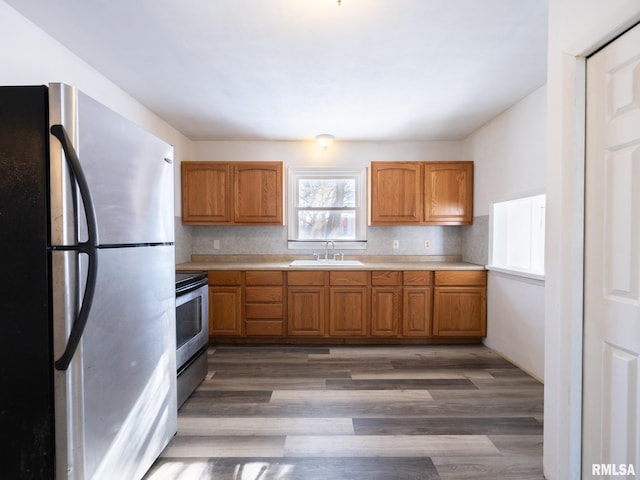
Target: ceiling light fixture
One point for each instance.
(324, 140)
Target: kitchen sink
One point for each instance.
(326, 263)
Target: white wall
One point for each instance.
(515, 320)
(576, 28)
(29, 56)
(509, 154)
(341, 153)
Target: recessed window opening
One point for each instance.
(517, 235)
(326, 205)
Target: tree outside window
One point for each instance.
(327, 206)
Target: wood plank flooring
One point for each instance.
(357, 412)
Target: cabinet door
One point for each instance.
(306, 312)
(258, 193)
(348, 311)
(396, 193)
(416, 311)
(385, 311)
(225, 311)
(448, 193)
(386, 304)
(460, 312)
(206, 188)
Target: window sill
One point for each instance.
(517, 273)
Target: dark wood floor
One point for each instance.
(358, 412)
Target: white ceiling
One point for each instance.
(370, 70)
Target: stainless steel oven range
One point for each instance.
(192, 331)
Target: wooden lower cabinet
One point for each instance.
(306, 300)
(264, 303)
(385, 311)
(460, 304)
(386, 306)
(225, 307)
(416, 312)
(348, 311)
(306, 311)
(225, 303)
(348, 305)
(416, 303)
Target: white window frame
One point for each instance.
(360, 176)
(503, 237)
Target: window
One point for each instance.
(517, 235)
(326, 205)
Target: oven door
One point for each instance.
(192, 327)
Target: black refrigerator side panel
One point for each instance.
(26, 402)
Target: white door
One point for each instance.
(611, 396)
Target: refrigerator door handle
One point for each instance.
(81, 320)
(90, 248)
(73, 161)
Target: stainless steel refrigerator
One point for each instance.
(87, 291)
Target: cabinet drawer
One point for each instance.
(265, 327)
(457, 277)
(223, 277)
(386, 278)
(264, 310)
(348, 278)
(417, 277)
(263, 294)
(264, 278)
(305, 278)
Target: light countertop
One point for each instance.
(282, 262)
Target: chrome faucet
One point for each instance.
(326, 248)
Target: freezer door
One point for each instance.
(121, 384)
(129, 173)
(26, 401)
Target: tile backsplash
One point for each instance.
(469, 242)
(183, 241)
(251, 240)
(475, 241)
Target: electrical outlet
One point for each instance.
(216, 244)
(396, 244)
(427, 244)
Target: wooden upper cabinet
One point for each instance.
(257, 193)
(206, 188)
(396, 193)
(448, 193)
(232, 193)
(421, 193)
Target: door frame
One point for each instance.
(569, 281)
